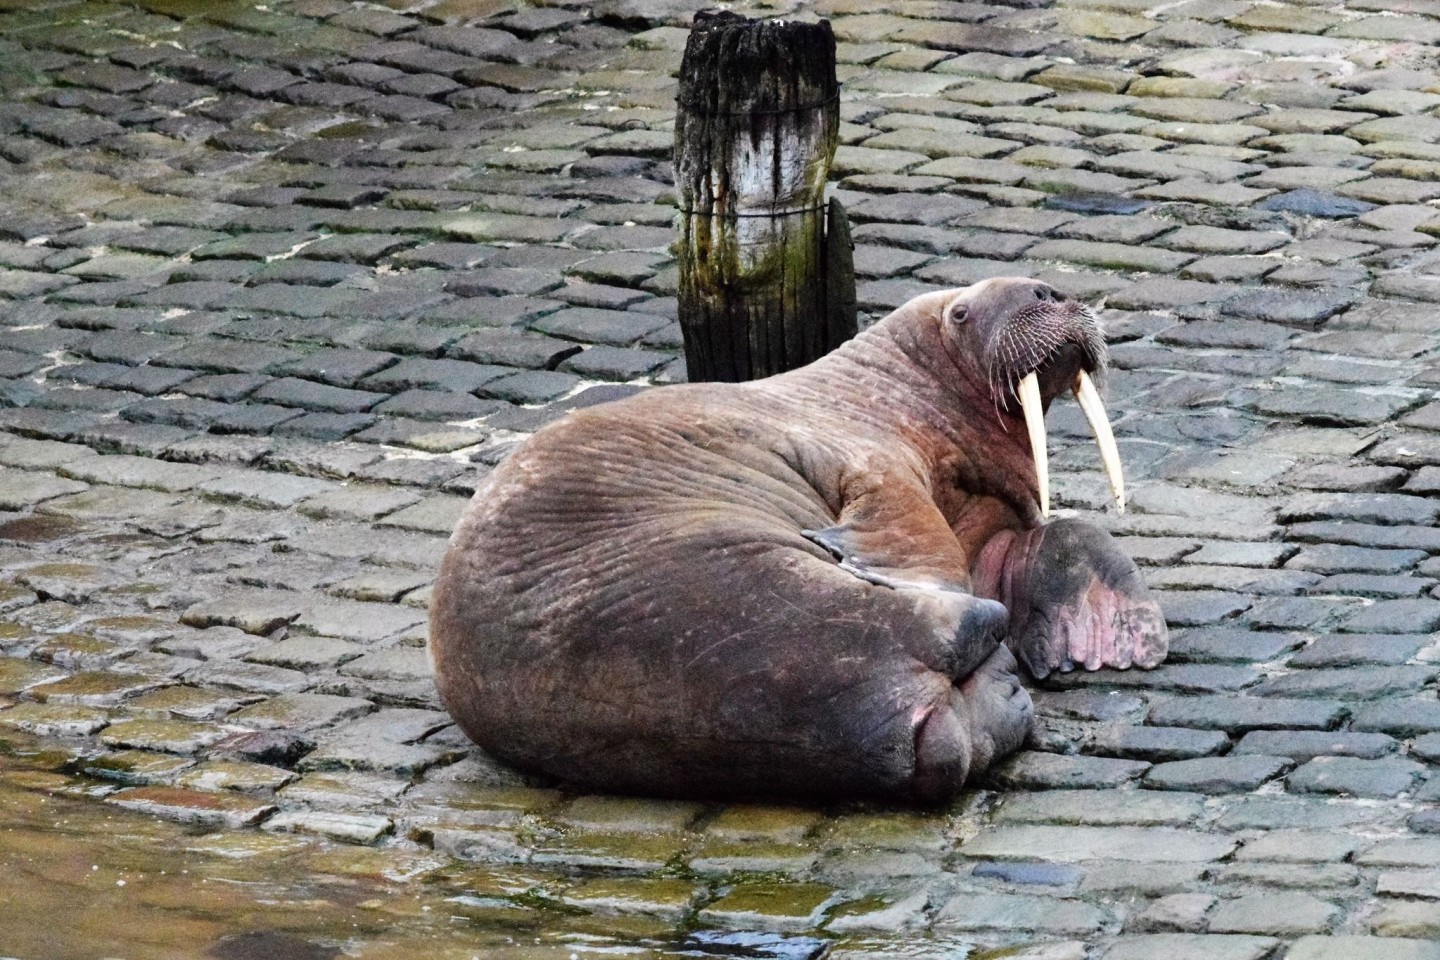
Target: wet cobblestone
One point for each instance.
(279, 285)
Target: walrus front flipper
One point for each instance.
(892, 534)
(1075, 599)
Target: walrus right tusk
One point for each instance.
(1035, 423)
(1089, 399)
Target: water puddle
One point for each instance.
(81, 879)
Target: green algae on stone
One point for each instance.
(48, 617)
(346, 827)
(191, 806)
(95, 688)
(79, 651)
(492, 880)
(495, 911)
(748, 823)
(770, 906)
(344, 790)
(71, 582)
(665, 899)
(891, 831)
(606, 814)
(302, 711)
(624, 852)
(235, 775)
(887, 912)
(269, 848)
(16, 676)
(379, 863)
(135, 767)
(55, 720)
(184, 702)
(168, 736)
(11, 632)
(461, 797)
(12, 597)
(712, 856)
(606, 927)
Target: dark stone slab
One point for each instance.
(1032, 770)
(1156, 744)
(1230, 645)
(1314, 203)
(1353, 777)
(1239, 774)
(1243, 714)
(1355, 683)
(1307, 744)
(1405, 717)
(1356, 650)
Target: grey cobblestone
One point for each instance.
(229, 229)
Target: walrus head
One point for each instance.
(1033, 343)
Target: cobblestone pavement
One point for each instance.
(281, 283)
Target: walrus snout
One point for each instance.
(1035, 345)
(1050, 336)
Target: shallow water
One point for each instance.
(81, 880)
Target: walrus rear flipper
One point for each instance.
(1076, 600)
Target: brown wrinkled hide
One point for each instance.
(759, 589)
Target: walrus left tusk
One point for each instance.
(1089, 399)
(1035, 423)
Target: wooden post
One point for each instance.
(761, 291)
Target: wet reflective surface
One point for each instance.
(81, 879)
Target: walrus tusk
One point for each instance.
(1035, 423)
(1089, 399)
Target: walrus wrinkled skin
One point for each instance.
(808, 587)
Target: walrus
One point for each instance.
(814, 586)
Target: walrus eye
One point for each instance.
(956, 312)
